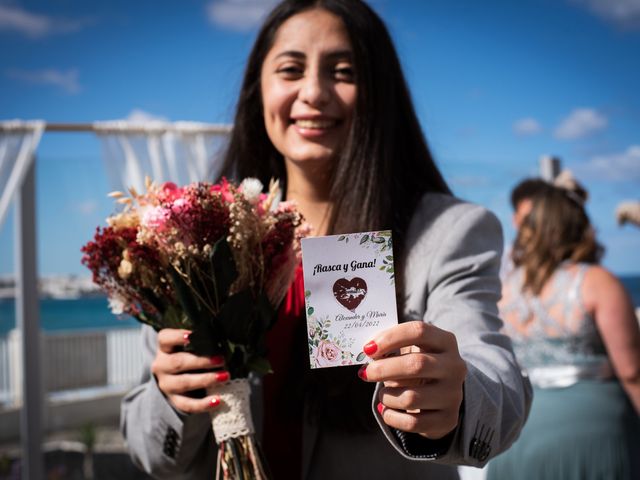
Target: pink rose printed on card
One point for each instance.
(325, 350)
(349, 294)
(328, 354)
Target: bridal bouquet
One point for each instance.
(216, 259)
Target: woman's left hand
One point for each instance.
(422, 390)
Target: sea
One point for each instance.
(58, 315)
(92, 313)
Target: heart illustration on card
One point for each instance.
(350, 293)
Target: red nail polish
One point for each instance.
(380, 408)
(214, 402)
(370, 348)
(187, 338)
(222, 377)
(362, 373)
(217, 360)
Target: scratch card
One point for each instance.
(349, 294)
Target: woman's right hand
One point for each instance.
(179, 372)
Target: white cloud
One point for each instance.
(580, 123)
(140, 116)
(623, 13)
(66, 80)
(526, 126)
(239, 15)
(34, 25)
(615, 167)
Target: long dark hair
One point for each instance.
(385, 166)
(380, 176)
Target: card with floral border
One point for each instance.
(349, 294)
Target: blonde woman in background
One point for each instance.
(576, 335)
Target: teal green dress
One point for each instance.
(582, 425)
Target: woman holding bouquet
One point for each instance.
(325, 109)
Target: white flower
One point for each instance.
(116, 305)
(251, 188)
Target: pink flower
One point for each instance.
(328, 354)
(154, 218)
(228, 197)
(169, 191)
(224, 190)
(178, 205)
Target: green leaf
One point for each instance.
(389, 257)
(364, 239)
(203, 340)
(187, 300)
(150, 320)
(263, 318)
(360, 357)
(310, 311)
(173, 318)
(150, 296)
(237, 360)
(236, 316)
(259, 365)
(378, 240)
(223, 269)
(203, 287)
(341, 237)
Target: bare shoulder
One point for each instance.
(603, 291)
(598, 278)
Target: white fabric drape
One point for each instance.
(18, 143)
(180, 152)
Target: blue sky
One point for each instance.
(497, 84)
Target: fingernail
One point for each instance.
(222, 377)
(217, 360)
(362, 373)
(380, 408)
(187, 338)
(370, 348)
(214, 402)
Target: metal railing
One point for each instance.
(73, 361)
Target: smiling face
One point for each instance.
(308, 88)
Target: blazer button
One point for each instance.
(170, 441)
(480, 446)
(168, 451)
(484, 452)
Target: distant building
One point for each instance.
(55, 286)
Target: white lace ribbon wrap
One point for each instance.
(232, 418)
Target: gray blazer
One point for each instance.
(451, 280)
